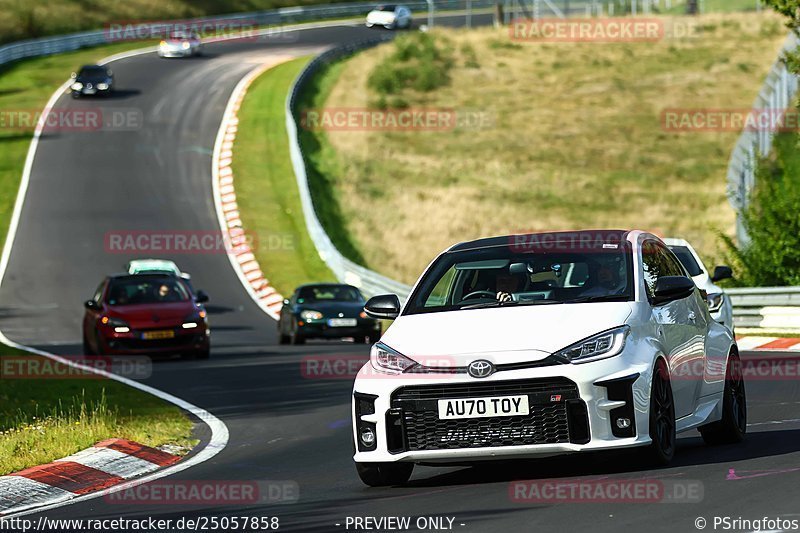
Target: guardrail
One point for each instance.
(344, 269)
(776, 95)
(287, 15)
(768, 308)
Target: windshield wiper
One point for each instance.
(600, 298)
(508, 304)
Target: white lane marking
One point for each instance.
(749, 343)
(219, 431)
(112, 462)
(21, 493)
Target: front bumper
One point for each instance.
(319, 329)
(175, 52)
(133, 343)
(574, 408)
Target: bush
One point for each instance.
(419, 62)
(772, 258)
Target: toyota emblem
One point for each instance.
(480, 369)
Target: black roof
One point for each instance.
(611, 235)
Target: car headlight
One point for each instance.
(120, 326)
(309, 314)
(102, 86)
(384, 358)
(162, 44)
(185, 46)
(606, 344)
(77, 86)
(715, 301)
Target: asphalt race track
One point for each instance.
(284, 426)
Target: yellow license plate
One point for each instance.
(163, 334)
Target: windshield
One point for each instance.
(385, 8)
(501, 276)
(331, 293)
(92, 72)
(131, 291)
(687, 260)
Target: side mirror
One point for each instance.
(671, 288)
(722, 272)
(385, 306)
(91, 304)
(73, 75)
(201, 297)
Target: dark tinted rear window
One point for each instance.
(687, 260)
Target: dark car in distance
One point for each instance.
(92, 80)
(326, 311)
(146, 314)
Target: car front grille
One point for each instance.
(557, 415)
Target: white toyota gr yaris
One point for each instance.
(544, 344)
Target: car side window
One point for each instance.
(658, 262)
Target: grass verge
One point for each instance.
(46, 419)
(562, 136)
(266, 190)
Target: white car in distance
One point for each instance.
(181, 44)
(719, 303)
(540, 345)
(390, 16)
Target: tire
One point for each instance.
(732, 427)
(361, 340)
(662, 418)
(87, 348)
(202, 354)
(384, 474)
(296, 338)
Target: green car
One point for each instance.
(326, 311)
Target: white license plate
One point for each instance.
(342, 322)
(483, 407)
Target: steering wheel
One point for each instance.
(475, 294)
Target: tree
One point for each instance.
(772, 216)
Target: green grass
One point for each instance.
(22, 20)
(716, 6)
(570, 133)
(45, 419)
(266, 190)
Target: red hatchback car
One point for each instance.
(144, 314)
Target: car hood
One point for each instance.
(332, 309)
(153, 314)
(502, 335)
(381, 17)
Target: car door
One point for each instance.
(676, 331)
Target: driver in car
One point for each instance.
(506, 285)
